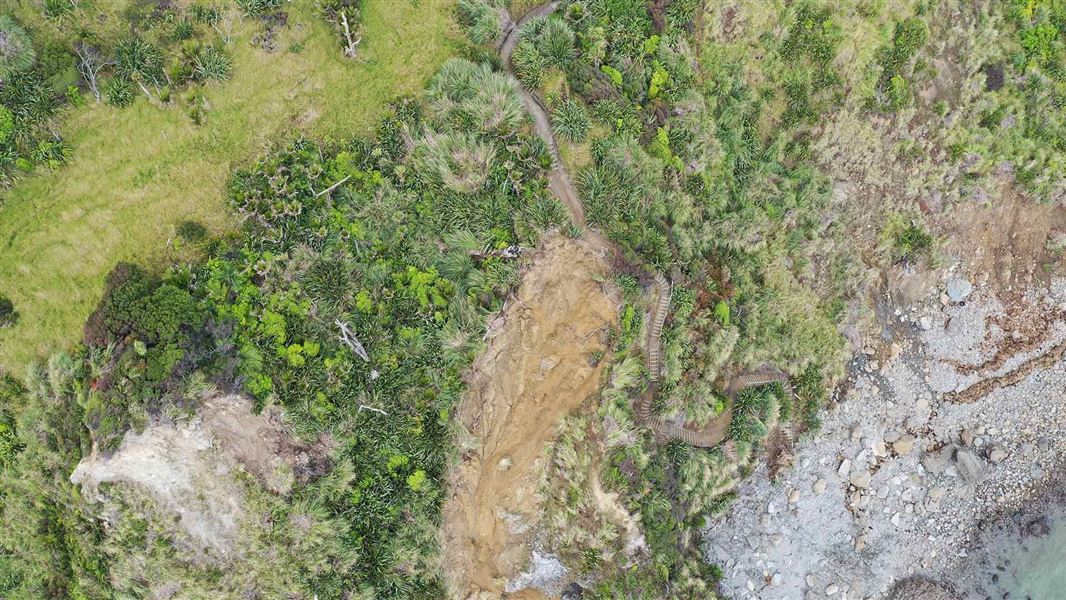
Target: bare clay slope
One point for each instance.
(538, 367)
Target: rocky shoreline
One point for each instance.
(911, 461)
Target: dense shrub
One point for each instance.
(142, 306)
(257, 8)
(8, 314)
(192, 231)
(140, 62)
(481, 19)
(118, 92)
(212, 64)
(893, 87)
(16, 48)
(571, 120)
(7, 126)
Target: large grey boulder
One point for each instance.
(958, 289)
(921, 588)
(970, 467)
(937, 461)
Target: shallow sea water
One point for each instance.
(1022, 557)
(1038, 564)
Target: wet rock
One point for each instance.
(1038, 527)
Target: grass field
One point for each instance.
(137, 172)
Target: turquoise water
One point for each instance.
(1037, 567)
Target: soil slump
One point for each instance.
(539, 365)
(187, 468)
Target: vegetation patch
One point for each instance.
(138, 172)
(354, 299)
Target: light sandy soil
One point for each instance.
(186, 468)
(178, 470)
(539, 365)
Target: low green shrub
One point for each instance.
(571, 120)
(8, 314)
(212, 64)
(480, 19)
(16, 48)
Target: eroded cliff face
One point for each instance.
(188, 470)
(539, 365)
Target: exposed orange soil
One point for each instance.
(539, 365)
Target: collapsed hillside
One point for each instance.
(800, 173)
(543, 359)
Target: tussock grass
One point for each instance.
(138, 172)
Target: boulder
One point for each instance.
(920, 588)
(996, 454)
(970, 467)
(861, 479)
(958, 289)
(904, 444)
(844, 468)
(937, 461)
(879, 449)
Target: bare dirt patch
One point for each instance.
(262, 444)
(187, 468)
(177, 469)
(1006, 244)
(540, 364)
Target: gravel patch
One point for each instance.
(900, 478)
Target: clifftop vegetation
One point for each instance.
(318, 206)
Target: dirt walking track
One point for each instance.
(538, 367)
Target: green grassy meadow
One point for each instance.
(139, 171)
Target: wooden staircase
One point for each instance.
(655, 344)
